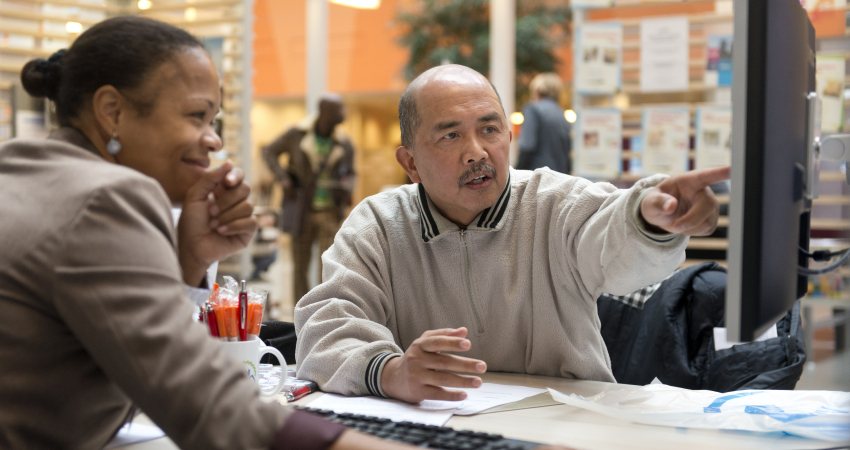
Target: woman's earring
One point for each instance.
(113, 147)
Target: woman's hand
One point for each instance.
(217, 221)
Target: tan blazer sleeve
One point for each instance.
(119, 289)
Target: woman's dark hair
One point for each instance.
(120, 51)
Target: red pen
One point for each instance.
(303, 388)
(243, 311)
(212, 322)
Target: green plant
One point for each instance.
(458, 31)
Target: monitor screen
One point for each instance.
(773, 70)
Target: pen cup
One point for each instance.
(249, 353)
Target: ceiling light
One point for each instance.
(74, 27)
(517, 118)
(359, 4)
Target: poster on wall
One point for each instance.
(664, 54)
(718, 66)
(713, 137)
(666, 139)
(598, 144)
(599, 59)
(830, 85)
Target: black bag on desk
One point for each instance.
(671, 338)
(280, 335)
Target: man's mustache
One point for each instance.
(476, 170)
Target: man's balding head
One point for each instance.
(448, 74)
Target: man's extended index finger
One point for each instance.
(713, 175)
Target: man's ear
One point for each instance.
(404, 156)
(106, 107)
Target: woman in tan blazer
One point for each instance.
(94, 315)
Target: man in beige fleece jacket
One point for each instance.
(481, 267)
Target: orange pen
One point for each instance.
(221, 319)
(255, 317)
(231, 320)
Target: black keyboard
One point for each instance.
(421, 435)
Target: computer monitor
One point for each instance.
(773, 70)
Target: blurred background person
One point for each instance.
(544, 140)
(317, 180)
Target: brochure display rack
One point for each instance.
(654, 76)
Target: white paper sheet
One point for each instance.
(489, 395)
(380, 407)
(431, 412)
(133, 433)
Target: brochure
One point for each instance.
(666, 138)
(598, 144)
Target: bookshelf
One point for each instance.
(36, 28)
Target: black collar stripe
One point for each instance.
(489, 218)
(423, 224)
(494, 213)
(501, 209)
(487, 215)
(429, 225)
(482, 218)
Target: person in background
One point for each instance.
(544, 140)
(317, 183)
(481, 267)
(94, 315)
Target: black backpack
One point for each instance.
(671, 338)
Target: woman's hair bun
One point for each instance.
(41, 77)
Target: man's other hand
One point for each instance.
(427, 368)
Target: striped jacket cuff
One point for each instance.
(374, 370)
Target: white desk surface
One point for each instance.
(541, 419)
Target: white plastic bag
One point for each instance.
(811, 414)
